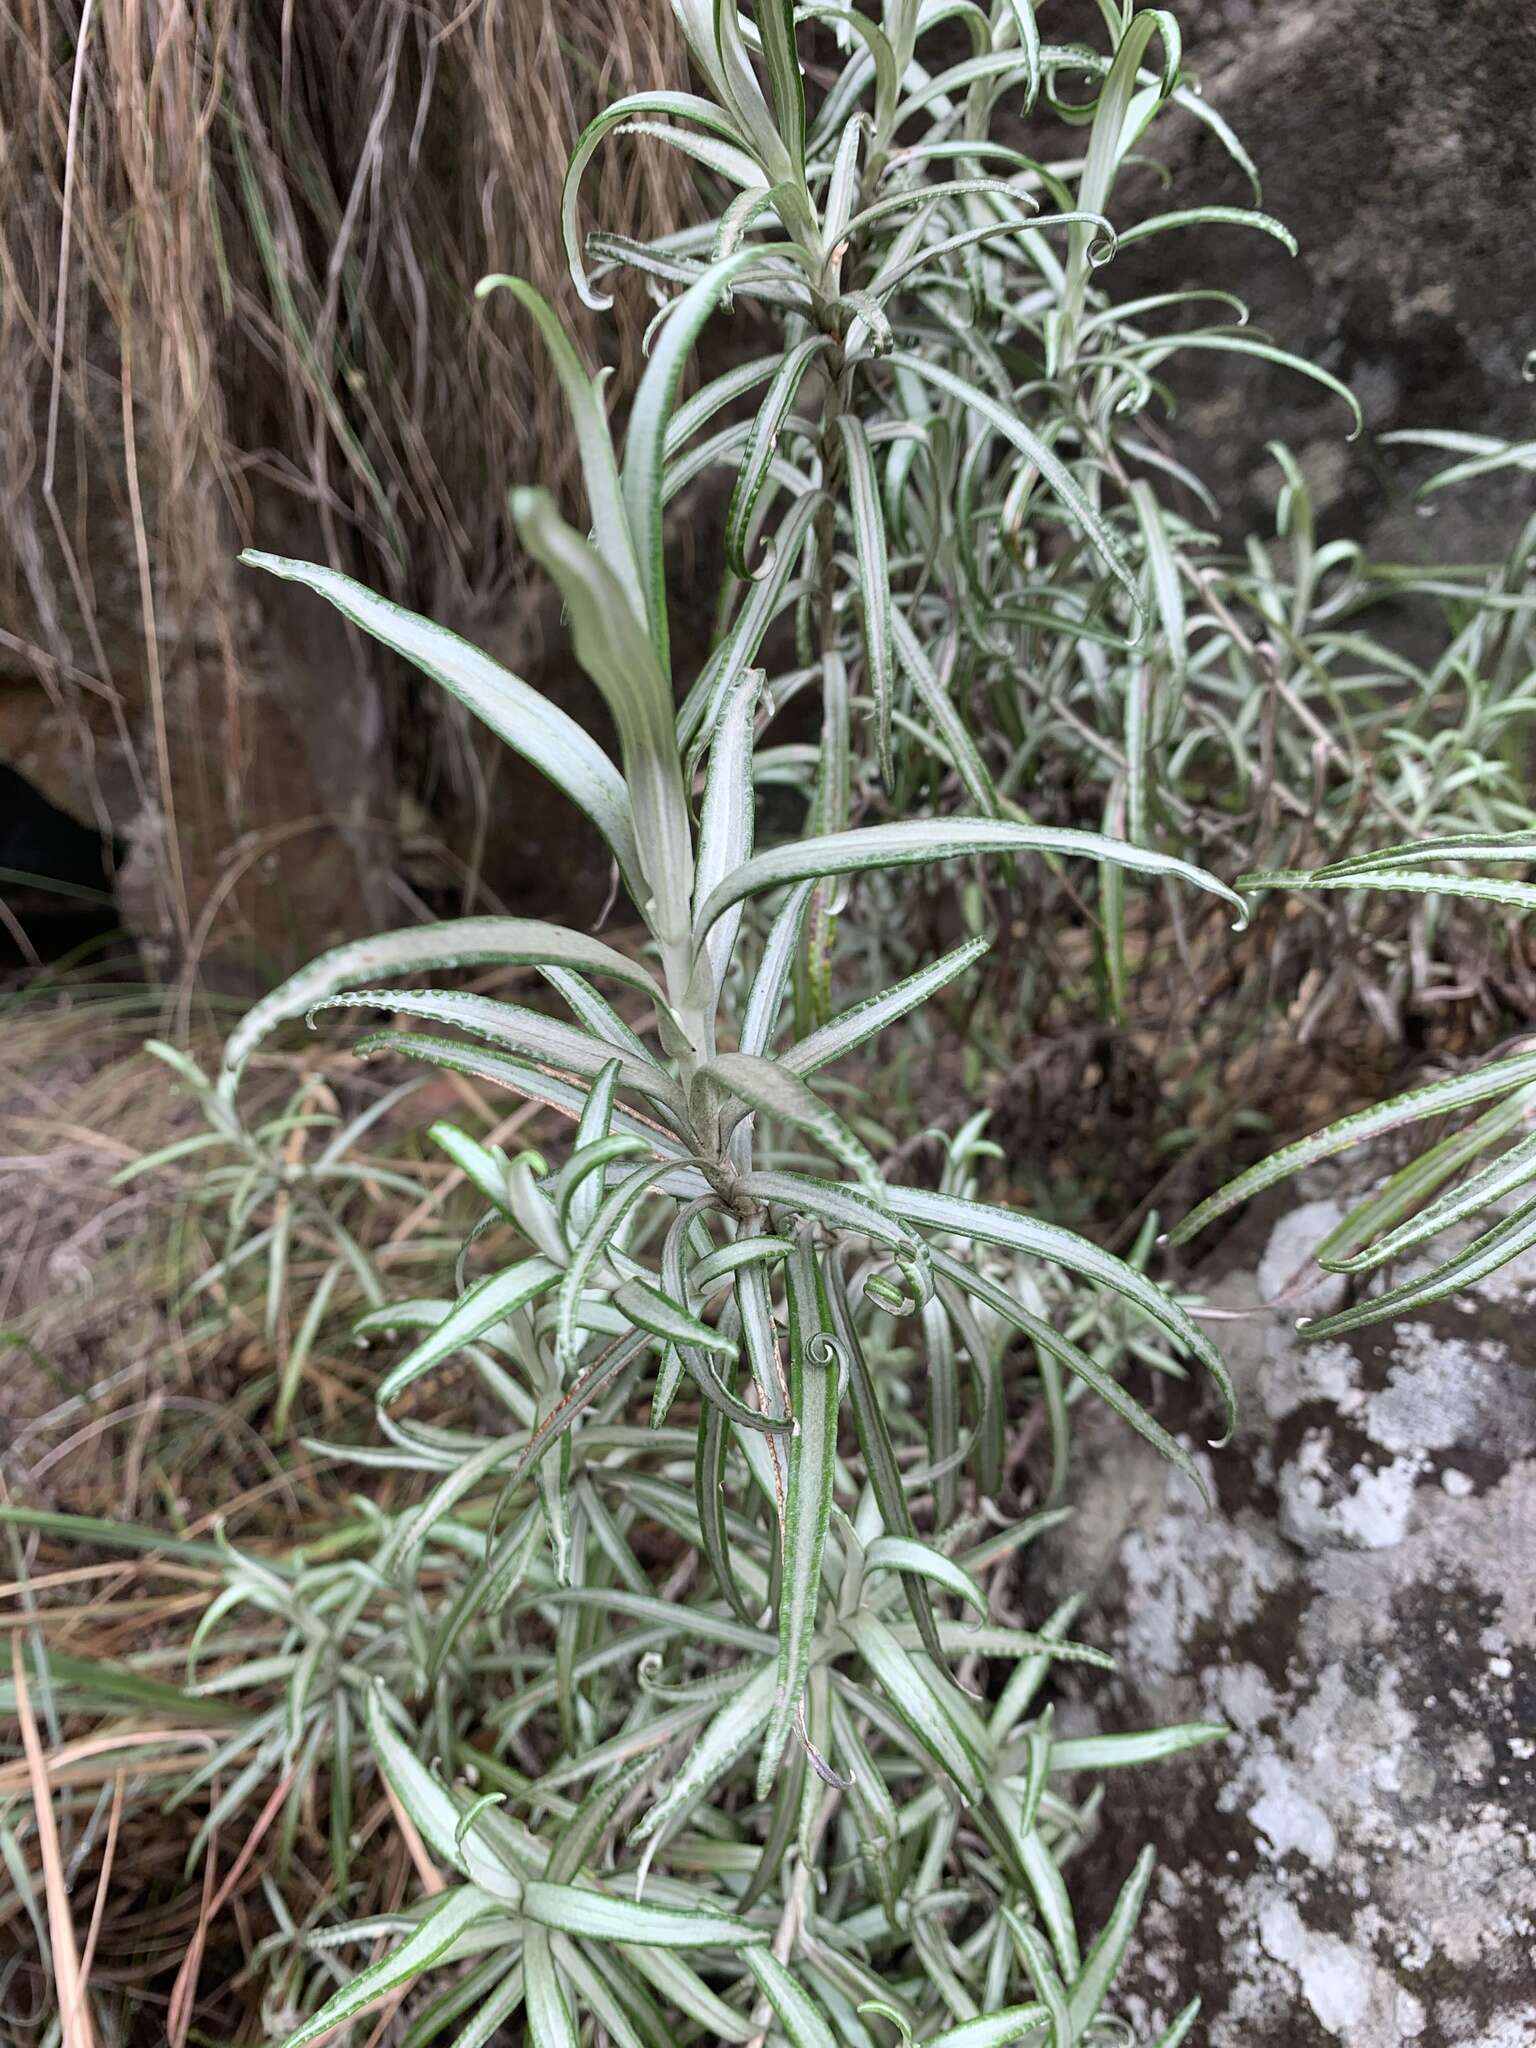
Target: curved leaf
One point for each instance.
(533, 727)
(919, 841)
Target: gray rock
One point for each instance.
(1397, 142)
(1358, 1864)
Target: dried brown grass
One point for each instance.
(238, 242)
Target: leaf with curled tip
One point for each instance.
(424, 949)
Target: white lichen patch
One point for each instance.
(1359, 1864)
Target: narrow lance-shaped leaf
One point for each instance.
(981, 1222)
(454, 1914)
(943, 715)
(644, 468)
(1247, 345)
(801, 2018)
(1506, 1176)
(762, 445)
(786, 82)
(916, 842)
(612, 647)
(600, 471)
(874, 577)
(1211, 216)
(424, 949)
(681, 106)
(814, 1362)
(767, 1085)
(1033, 449)
(551, 2023)
(599, 1916)
(1043, 1975)
(933, 1721)
(529, 1034)
(724, 1742)
(533, 727)
(1519, 896)
(1436, 1099)
(726, 825)
(433, 1811)
(878, 1013)
(1455, 1275)
(881, 1467)
(1104, 1958)
(490, 1302)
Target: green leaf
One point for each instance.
(932, 1718)
(881, 1468)
(814, 1360)
(585, 1255)
(682, 106)
(1154, 353)
(484, 1168)
(1033, 449)
(533, 727)
(874, 577)
(1120, 1752)
(762, 446)
(994, 2030)
(1107, 1953)
(550, 2020)
(435, 1813)
(645, 443)
(852, 1027)
(804, 2023)
(1211, 216)
(981, 1222)
(918, 841)
(1054, 1345)
(775, 1090)
(524, 1079)
(1022, 14)
(1519, 896)
(490, 1302)
(904, 1554)
(450, 1916)
(726, 824)
(598, 1916)
(1042, 1974)
(1506, 1176)
(527, 1033)
(1174, 2034)
(651, 1310)
(612, 647)
(466, 942)
(945, 719)
(593, 440)
(724, 1742)
(786, 83)
(1455, 1275)
(1435, 1099)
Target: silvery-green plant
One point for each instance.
(720, 1237)
(940, 468)
(684, 1238)
(1439, 768)
(947, 473)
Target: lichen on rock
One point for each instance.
(1358, 1864)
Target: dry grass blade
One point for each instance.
(68, 1978)
(237, 254)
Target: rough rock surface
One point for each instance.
(1396, 141)
(1358, 1864)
